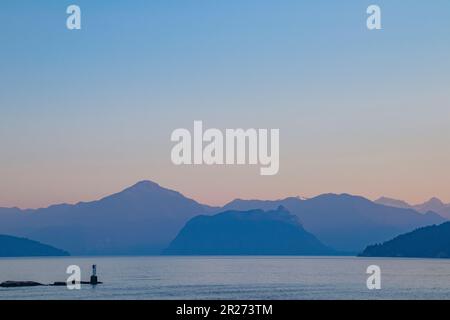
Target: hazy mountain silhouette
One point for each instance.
(21, 247)
(434, 205)
(393, 203)
(145, 218)
(427, 242)
(142, 219)
(245, 205)
(345, 222)
(254, 232)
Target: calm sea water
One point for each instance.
(230, 278)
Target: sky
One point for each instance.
(86, 113)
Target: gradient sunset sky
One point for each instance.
(87, 113)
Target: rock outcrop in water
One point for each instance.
(15, 284)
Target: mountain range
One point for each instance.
(345, 222)
(145, 218)
(141, 219)
(434, 204)
(254, 232)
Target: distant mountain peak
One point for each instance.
(434, 204)
(434, 201)
(342, 197)
(391, 202)
(146, 187)
(383, 198)
(144, 184)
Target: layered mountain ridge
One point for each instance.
(145, 218)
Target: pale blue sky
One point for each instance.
(85, 113)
